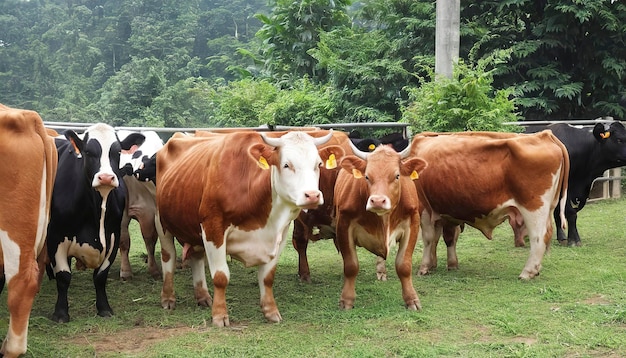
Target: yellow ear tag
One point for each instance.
(263, 163)
(414, 175)
(331, 162)
(357, 174)
(371, 147)
(605, 135)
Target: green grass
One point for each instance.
(575, 308)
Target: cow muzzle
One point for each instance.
(105, 179)
(378, 204)
(312, 199)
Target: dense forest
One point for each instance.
(207, 63)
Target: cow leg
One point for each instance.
(126, 272)
(404, 269)
(168, 265)
(430, 237)
(560, 234)
(61, 308)
(300, 242)
(350, 266)
(573, 238)
(266, 283)
(220, 273)
(381, 268)
(150, 237)
(451, 234)
(102, 301)
(200, 288)
(22, 286)
(539, 238)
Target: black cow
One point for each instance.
(87, 205)
(591, 153)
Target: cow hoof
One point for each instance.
(168, 304)
(423, 272)
(156, 275)
(60, 317)
(381, 276)
(414, 305)
(305, 278)
(105, 313)
(343, 305)
(221, 321)
(574, 244)
(126, 275)
(274, 317)
(205, 301)
(563, 242)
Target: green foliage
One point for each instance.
(466, 102)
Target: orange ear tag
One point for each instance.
(331, 162)
(414, 175)
(605, 135)
(263, 163)
(357, 174)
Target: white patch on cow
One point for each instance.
(216, 256)
(42, 221)
(298, 172)
(105, 135)
(87, 254)
(264, 245)
(11, 253)
(150, 146)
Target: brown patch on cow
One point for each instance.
(129, 342)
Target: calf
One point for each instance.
(141, 201)
(87, 206)
(376, 206)
(29, 164)
(481, 179)
(591, 153)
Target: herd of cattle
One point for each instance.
(237, 193)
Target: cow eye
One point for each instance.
(367, 178)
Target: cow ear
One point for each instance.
(413, 167)
(132, 140)
(354, 165)
(76, 142)
(330, 155)
(263, 155)
(601, 132)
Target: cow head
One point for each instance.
(100, 149)
(295, 163)
(382, 169)
(612, 137)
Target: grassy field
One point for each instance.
(575, 308)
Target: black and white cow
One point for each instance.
(592, 151)
(87, 205)
(141, 200)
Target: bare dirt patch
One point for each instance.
(597, 300)
(129, 342)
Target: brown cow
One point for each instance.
(377, 206)
(234, 194)
(27, 173)
(481, 179)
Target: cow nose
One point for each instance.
(378, 202)
(312, 196)
(106, 179)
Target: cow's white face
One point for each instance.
(295, 164)
(297, 175)
(144, 152)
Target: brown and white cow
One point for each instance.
(27, 173)
(482, 179)
(234, 194)
(376, 206)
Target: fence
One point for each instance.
(605, 187)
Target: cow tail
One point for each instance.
(564, 182)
